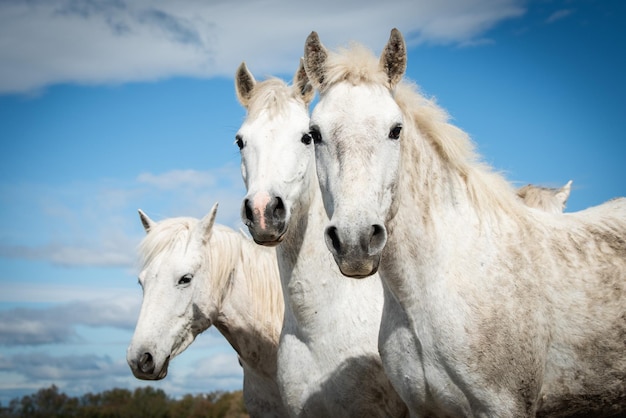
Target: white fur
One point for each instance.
(233, 285)
(328, 362)
(545, 198)
(502, 310)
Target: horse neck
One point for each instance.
(307, 217)
(447, 201)
(314, 288)
(251, 307)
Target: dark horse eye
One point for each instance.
(317, 136)
(394, 133)
(306, 139)
(186, 279)
(239, 141)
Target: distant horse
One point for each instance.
(545, 198)
(512, 311)
(196, 274)
(328, 361)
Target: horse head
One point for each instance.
(175, 306)
(356, 127)
(276, 151)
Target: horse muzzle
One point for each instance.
(145, 368)
(266, 222)
(357, 255)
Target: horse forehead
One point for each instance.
(346, 102)
(169, 260)
(266, 128)
(289, 112)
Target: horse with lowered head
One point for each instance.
(196, 274)
(513, 311)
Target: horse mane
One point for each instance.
(487, 188)
(270, 95)
(423, 117)
(260, 268)
(228, 250)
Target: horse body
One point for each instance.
(196, 275)
(500, 310)
(328, 362)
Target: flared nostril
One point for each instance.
(332, 239)
(146, 363)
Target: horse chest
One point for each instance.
(414, 362)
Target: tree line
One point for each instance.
(122, 403)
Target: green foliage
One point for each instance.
(121, 403)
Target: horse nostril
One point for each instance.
(332, 239)
(248, 212)
(279, 208)
(146, 363)
(378, 239)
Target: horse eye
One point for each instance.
(395, 132)
(239, 141)
(186, 279)
(317, 136)
(306, 139)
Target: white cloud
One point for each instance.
(98, 41)
(26, 326)
(90, 224)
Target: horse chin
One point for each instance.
(163, 371)
(269, 243)
(358, 269)
(268, 239)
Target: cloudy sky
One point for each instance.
(107, 106)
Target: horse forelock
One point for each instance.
(272, 96)
(165, 237)
(355, 64)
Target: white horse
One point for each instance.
(545, 198)
(328, 361)
(196, 274)
(513, 311)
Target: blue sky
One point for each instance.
(111, 106)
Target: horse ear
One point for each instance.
(563, 194)
(302, 84)
(244, 84)
(205, 226)
(315, 55)
(393, 58)
(147, 223)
